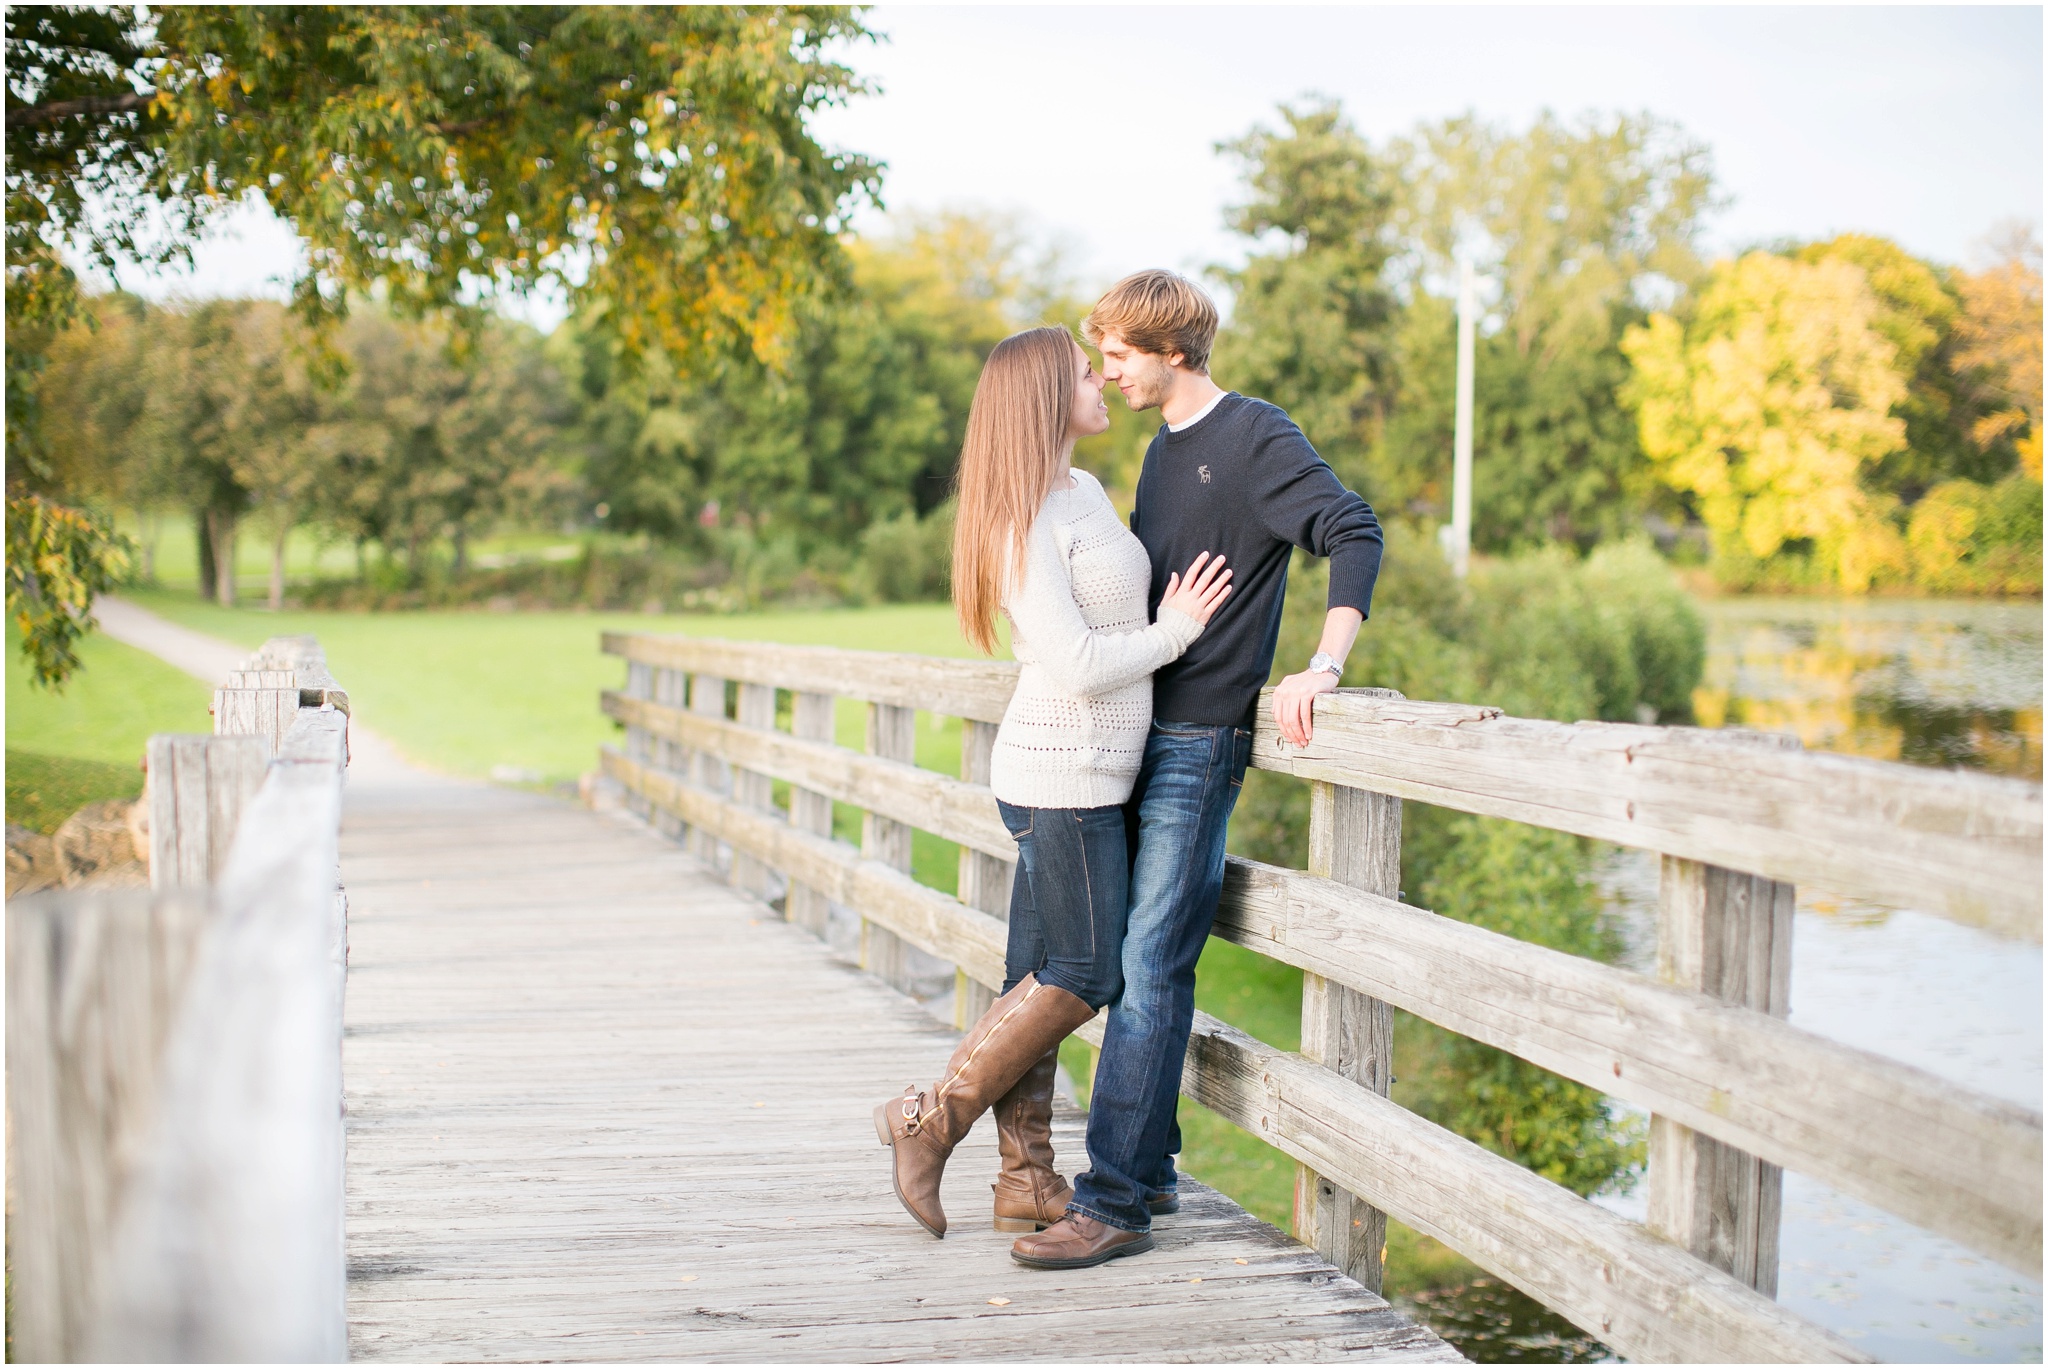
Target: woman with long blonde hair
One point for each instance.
(1040, 542)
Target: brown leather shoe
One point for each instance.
(1077, 1241)
(1030, 1195)
(923, 1128)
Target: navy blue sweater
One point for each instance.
(1244, 482)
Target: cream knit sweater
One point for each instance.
(1075, 730)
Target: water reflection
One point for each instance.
(1927, 682)
(1938, 683)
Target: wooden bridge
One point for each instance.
(606, 1089)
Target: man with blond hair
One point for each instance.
(1232, 476)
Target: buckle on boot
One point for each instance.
(912, 1120)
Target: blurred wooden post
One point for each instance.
(891, 732)
(1728, 935)
(197, 788)
(94, 978)
(756, 709)
(713, 774)
(257, 703)
(985, 881)
(811, 717)
(1354, 838)
(671, 687)
(639, 746)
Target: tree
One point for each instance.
(1577, 228)
(656, 158)
(1312, 326)
(864, 425)
(1999, 350)
(1768, 405)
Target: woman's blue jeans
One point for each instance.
(1067, 907)
(1178, 813)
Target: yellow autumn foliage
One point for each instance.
(1768, 403)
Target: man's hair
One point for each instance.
(1157, 312)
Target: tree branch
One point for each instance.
(23, 116)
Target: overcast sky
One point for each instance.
(1099, 124)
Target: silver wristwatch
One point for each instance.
(1324, 663)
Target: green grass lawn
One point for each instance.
(464, 692)
(68, 749)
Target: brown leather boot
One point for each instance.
(922, 1128)
(1030, 1195)
(1078, 1242)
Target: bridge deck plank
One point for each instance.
(602, 1107)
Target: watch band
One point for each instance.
(1325, 664)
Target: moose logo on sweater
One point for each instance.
(1203, 471)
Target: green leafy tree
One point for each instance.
(1313, 321)
(1576, 227)
(862, 427)
(656, 158)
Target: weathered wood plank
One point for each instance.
(959, 688)
(1729, 936)
(197, 788)
(1962, 845)
(810, 810)
(958, 810)
(1644, 1296)
(228, 1243)
(533, 1120)
(1946, 1158)
(985, 881)
(879, 892)
(93, 980)
(1354, 839)
(755, 713)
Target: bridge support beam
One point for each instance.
(1728, 935)
(1355, 839)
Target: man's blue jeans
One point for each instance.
(1178, 814)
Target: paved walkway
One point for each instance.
(602, 1107)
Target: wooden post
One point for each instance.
(94, 979)
(892, 732)
(1728, 935)
(756, 709)
(670, 687)
(1354, 838)
(639, 746)
(197, 788)
(811, 717)
(713, 774)
(257, 703)
(985, 881)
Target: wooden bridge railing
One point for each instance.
(1735, 1092)
(174, 1056)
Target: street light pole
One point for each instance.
(1459, 541)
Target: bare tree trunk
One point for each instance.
(461, 551)
(284, 530)
(151, 523)
(223, 524)
(202, 522)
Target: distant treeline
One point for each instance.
(1832, 415)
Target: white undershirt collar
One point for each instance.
(1190, 422)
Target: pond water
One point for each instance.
(1940, 683)
(1926, 682)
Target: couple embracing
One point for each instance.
(1121, 754)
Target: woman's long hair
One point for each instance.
(1015, 433)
